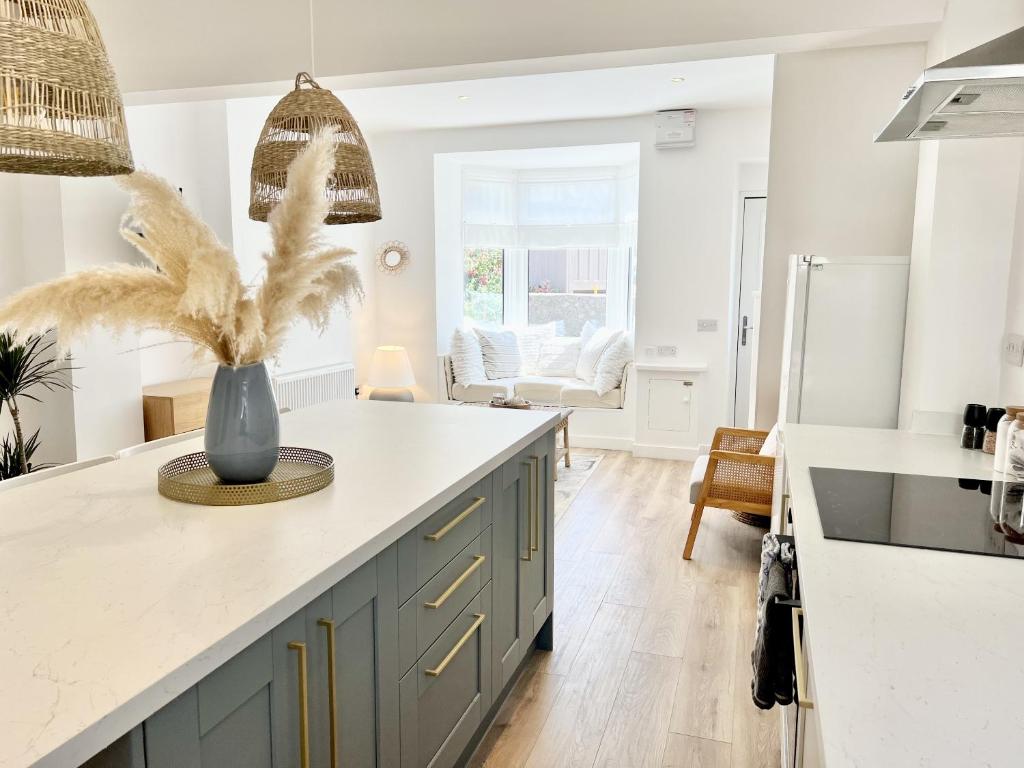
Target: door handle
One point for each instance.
(743, 330)
(303, 704)
(332, 690)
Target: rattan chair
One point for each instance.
(737, 478)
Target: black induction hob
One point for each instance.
(978, 517)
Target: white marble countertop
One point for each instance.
(114, 600)
(916, 654)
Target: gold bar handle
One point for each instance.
(440, 533)
(436, 671)
(303, 705)
(478, 560)
(535, 528)
(799, 662)
(332, 693)
(530, 497)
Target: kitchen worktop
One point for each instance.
(915, 652)
(114, 600)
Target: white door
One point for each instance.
(748, 309)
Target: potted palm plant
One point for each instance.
(23, 367)
(193, 289)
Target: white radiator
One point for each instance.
(315, 385)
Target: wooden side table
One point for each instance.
(175, 407)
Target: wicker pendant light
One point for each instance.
(352, 188)
(60, 109)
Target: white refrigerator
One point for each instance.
(843, 350)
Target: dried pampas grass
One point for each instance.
(194, 289)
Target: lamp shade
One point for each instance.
(351, 187)
(390, 367)
(60, 110)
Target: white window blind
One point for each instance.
(550, 208)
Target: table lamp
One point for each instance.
(391, 375)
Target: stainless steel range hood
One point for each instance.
(976, 94)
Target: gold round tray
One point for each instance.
(299, 471)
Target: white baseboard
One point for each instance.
(665, 452)
(599, 441)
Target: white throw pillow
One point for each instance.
(770, 446)
(467, 357)
(588, 330)
(501, 353)
(613, 362)
(558, 357)
(530, 338)
(600, 340)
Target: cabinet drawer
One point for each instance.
(426, 614)
(424, 551)
(445, 696)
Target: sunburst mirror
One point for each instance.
(392, 257)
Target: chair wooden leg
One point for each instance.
(691, 537)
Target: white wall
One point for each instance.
(831, 190)
(967, 271)
(685, 243)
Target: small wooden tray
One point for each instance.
(299, 471)
(524, 407)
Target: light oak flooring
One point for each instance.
(651, 666)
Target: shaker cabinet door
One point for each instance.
(536, 569)
(508, 545)
(245, 714)
(318, 691)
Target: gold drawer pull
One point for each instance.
(440, 533)
(530, 496)
(303, 705)
(535, 541)
(800, 663)
(478, 560)
(332, 692)
(436, 671)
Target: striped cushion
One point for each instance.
(467, 358)
(501, 353)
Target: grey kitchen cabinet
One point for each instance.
(536, 567)
(508, 545)
(446, 695)
(271, 705)
(523, 567)
(399, 664)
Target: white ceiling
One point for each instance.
(716, 84)
(157, 45)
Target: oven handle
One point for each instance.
(799, 661)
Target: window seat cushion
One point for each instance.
(582, 395)
(482, 392)
(543, 390)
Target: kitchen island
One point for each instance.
(912, 652)
(376, 622)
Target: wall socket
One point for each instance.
(666, 351)
(707, 326)
(1013, 349)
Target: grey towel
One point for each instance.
(772, 657)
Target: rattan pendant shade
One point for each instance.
(352, 188)
(60, 109)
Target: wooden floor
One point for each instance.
(651, 665)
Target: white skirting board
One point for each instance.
(641, 450)
(599, 441)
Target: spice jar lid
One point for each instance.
(992, 420)
(1020, 417)
(1013, 410)
(974, 415)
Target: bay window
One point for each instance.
(549, 246)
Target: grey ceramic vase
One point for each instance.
(242, 428)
